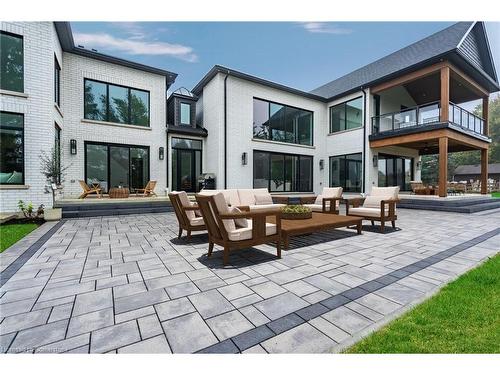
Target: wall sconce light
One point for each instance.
(321, 164)
(161, 153)
(375, 160)
(244, 158)
(72, 146)
(419, 165)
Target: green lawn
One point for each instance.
(11, 233)
(464, 317)
(496, 194)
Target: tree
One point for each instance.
(430, 163)
(52, 169)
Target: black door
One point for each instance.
(186, 176)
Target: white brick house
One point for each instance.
(118, 128)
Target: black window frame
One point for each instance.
(343, 185)
(299, 156)
(22, 42)
(344, 103)
(129, 88)
(24, 146)
(269, 138)
(57, 148)
(108, 145)
(57, 82)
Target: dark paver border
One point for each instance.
(12, 268)
(273, 328)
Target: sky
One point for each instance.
(303, 55)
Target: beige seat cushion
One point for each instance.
(390, 192)
(241, 234)
(262, 207)
(367, 211)
(232, 197)
(223, 208)
(247, 197)
(317, 207)
(332, 192)
(197, 221)
(263, 198)
(183, 197)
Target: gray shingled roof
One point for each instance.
(476, 169)
(433, 46)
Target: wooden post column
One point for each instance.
(443, 166)
(445, 94)
(484, 171)
(486, 101)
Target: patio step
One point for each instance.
(464, 205)
(76, 210)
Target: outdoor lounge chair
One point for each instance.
(229, 227)
(186, 213)
(88, 190)
(148, 189)
(380, 205)
(328, 202)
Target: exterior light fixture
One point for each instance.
(72, 146)
(375, 160)
(161, 153)
(419, 165)
(321, 164)
(244, 158)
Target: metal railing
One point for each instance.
(426, 114)
(465, 119)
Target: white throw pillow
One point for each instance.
(263, 199)
(319, 199)
(240, 223)
(373, 201)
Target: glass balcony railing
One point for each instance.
(465, 119)
(423, 115)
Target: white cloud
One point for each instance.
(325, 28)
(135, 46)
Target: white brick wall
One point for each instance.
(40, 44)
(75, 69)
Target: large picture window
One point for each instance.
(11, 62)
(281, 123)
(11, 148)
(346, 171)
(346, 116)
(113, 103)
(282, 172)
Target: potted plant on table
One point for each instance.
(295, 212)
(53, 171)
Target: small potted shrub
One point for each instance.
(53, 171)
(296, 212)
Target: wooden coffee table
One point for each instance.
(318, 223)
(119, 193)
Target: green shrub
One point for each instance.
(295, 209)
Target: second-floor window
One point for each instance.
(113, 103)
(346, 116)
(278, 122)
(11, 62)
(185, 114)
(57, 82)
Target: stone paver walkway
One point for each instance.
(125, 284)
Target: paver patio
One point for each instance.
(126, 284)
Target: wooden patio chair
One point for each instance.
(148, 189)
(328, 202)
(88, 190)
(380, 205)
(221, 222)
(186, 213)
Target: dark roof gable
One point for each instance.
(450, 42)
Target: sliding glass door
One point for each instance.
(111, 165)
(346, 171)
(395, 171)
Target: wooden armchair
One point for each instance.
(185, 211)
(88, 190)
(221, 222)
(148, 189)
(327, 202)
(379, 206)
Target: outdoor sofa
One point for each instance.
(254, 199)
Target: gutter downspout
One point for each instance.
(225, 130)
(364, 138)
